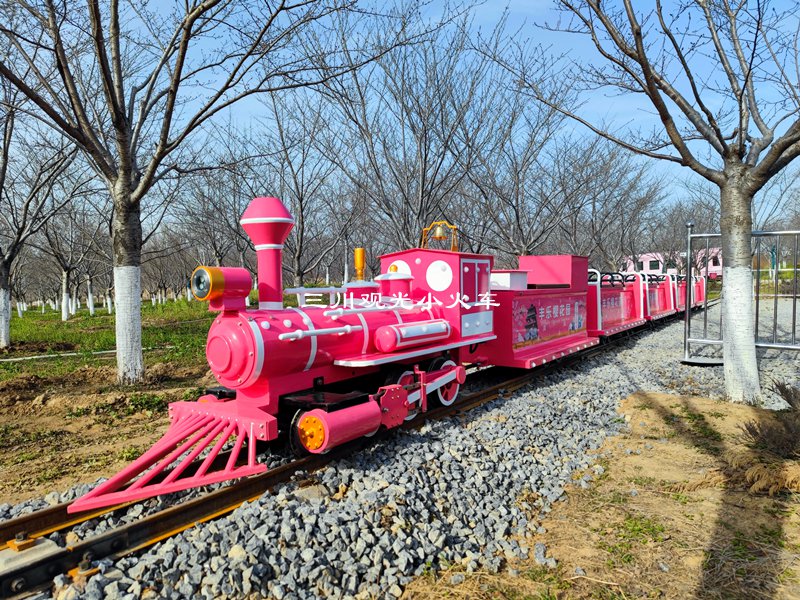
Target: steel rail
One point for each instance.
(133, 537)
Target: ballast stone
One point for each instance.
(460, 480)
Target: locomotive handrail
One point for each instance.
(335, 313)
(299, 334)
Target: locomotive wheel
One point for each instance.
(447, 394)
(402, 377)
(295, 446)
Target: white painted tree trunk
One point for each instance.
(19, 309)
(128, 291)
(247, 300)
(188, 295)
(64, 296)
(5, 317)
(109, 304)
(738, 338)
(43, 303)
(89, 296)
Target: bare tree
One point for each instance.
(510, 175)
(130, 82)
(721, 77)
(304, 180)
(610, 198)
(402, 143)
(29, 171)
(70, 236)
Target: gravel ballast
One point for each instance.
(470, 491)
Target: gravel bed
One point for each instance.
(470, 491)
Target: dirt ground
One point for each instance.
(58, 430)
(673, 513)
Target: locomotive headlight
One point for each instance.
(207, 283)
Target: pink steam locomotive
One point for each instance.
(404, 339)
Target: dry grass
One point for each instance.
(702, 523)
(778, 436)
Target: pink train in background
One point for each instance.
(369, 355)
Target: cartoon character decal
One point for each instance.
(531, 325)
(543, 318)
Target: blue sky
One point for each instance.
(526, 17)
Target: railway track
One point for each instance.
(25, 533)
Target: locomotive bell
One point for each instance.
(439, 233)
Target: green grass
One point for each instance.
(11, 437)
(176, 331)
(639, 528)
(162, 325)
(623, 539)
(129, 453)
(702, 433)
(618, 497)
(149, 404)
(643, 481)
(699, 425)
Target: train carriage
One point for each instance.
(616, 302)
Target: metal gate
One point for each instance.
(775, 254)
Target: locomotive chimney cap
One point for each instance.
(267, 222)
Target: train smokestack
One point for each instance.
(267, 222)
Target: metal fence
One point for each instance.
(775, 254)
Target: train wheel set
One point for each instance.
(350, 361)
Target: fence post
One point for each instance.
(688, 308)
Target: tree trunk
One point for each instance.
(19, 309)
(109, 303)
(739, 351)
(127, 243)
(74, 302)
(5, 306)
(64, 295)
(89, 296)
